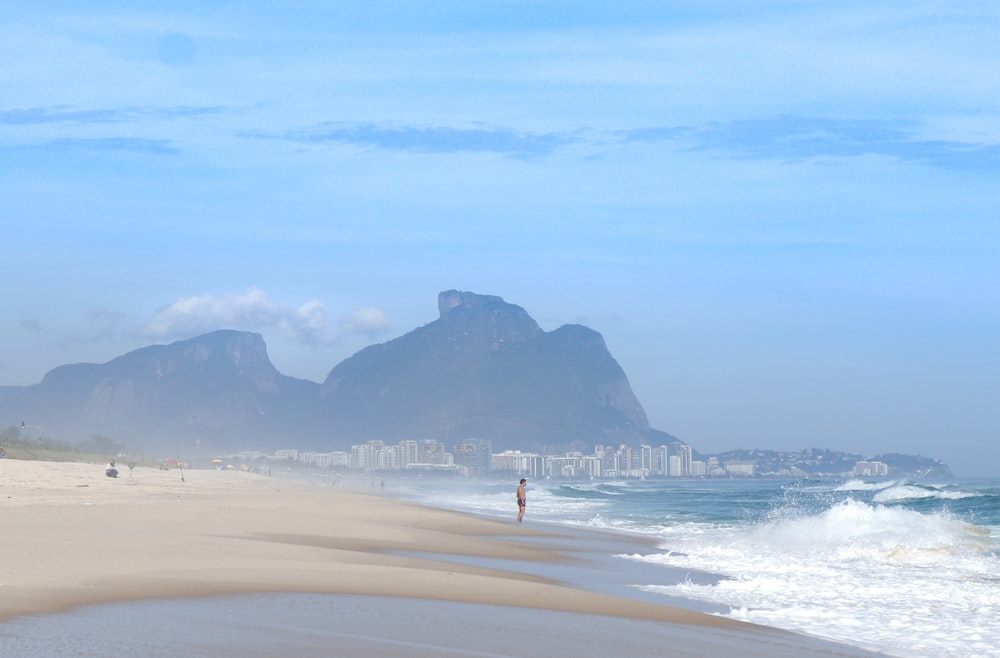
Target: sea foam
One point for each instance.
(858, 573)
(901, 568)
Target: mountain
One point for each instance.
(221, 386)
(483, 369)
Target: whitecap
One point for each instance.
(863, 574)
(906, 492)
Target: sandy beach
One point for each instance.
(72, 538)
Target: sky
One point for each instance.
(783, 217)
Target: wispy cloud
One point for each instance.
(64, 128)
(253, 310)
(798, 138)
(775, 138)
(134, 144)
(67, 114)
(440, 139)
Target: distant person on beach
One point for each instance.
(110, 469)
(522, 500)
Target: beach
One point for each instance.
(383, 577)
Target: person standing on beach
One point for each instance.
(522, 500)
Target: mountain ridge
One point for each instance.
(483, 369)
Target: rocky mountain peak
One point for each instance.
(483, 369)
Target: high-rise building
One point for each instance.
(520, 464)
(474, 456)
(661, 465)
(686, 454)
(409, 453)
(433, 452)
(871, 469)
(645, 460)
(624, 460)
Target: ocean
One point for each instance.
(909, 569)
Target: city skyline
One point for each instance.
(476, 458)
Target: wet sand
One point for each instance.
(406, 580)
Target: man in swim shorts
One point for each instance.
(522, 500)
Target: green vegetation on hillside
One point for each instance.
(17, 444)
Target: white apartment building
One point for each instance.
(520, 463)
(741, 468)
(871, 469)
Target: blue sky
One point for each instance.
(783, 217)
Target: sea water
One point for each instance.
(906, 568)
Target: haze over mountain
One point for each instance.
(483, 369)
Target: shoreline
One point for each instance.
(74, 538)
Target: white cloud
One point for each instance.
(253, 310)
(364, 321)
